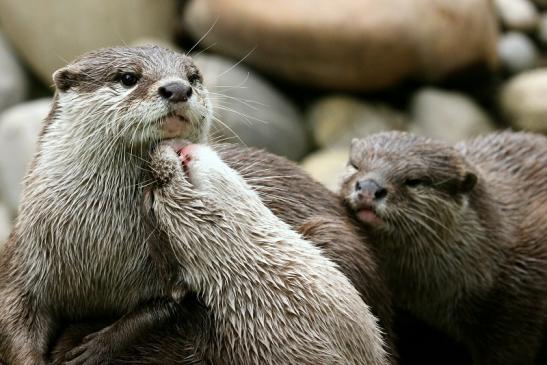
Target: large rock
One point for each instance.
(517, 14)
(327, 166)
(249, 110)
(523, 101)
(13, 81)
(335, 120)
(447, 116)
(5, 224)
(517, 52)
(349, 44)
(19, 129)
(50, 33)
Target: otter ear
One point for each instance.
(468, 182)
(65, 78)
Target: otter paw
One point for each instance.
(95, 349)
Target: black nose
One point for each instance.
(371, 189)
(175, 92)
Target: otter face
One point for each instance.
(135, 96)
(405, 184)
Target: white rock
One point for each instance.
(523, 101)
(447, 116)
(517, 52)
(49, 34)
(249, 110)
(517, 14)
(327, 166)
(13, 81)
(19, 129)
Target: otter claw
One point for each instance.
(92, 351)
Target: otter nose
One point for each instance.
(370, 189)
(175, 92)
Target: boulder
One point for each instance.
(327, 166)
(349, 44)
(447, 116)
(523, 101)
(517, 14)
(517, 52)
(49, 34)
(13, 80)
(19, 129)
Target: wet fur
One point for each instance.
(80, 219)
(470, 260)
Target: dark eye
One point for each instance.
(194, 77)
(128, 79)
(353, 164)
(412, 183)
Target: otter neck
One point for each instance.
(444, 261)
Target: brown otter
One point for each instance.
(78, 248)
(461, 233)
(274, 297)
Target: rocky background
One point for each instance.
(299, 78)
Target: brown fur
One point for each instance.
(305, 205)
(470, 259)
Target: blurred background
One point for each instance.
(298, 78)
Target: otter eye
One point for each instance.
(353, 164)
(412, 183)
(128, 79)
(194, 77)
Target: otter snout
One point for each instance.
(176, 91)
(369, 191)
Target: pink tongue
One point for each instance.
(368, 216)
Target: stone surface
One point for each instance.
(49, 34)
(13, 81)
(19, 129)
(542, 30)
(523, 101)
(517, 52)
(349, 44)
(447, 116)
(327, 166)
(249, 110)
(5, 224)
(335, 120)
(517, 14)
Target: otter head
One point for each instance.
(131, 97)
(406, 186)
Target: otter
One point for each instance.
(78, 248)
(461, 234)
(79, 252)
(274, 297)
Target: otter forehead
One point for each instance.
(94, 69)
(399, 151)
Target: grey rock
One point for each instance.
(250, 111)
(523, 101)
(327, 166)
(335, 120)
(19, 129)
(517, 52)
(517, 14)
(447, 116)
(5, 224)
(13, 80)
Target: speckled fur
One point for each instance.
(470, 260)
(78, 248)
(274, 298)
